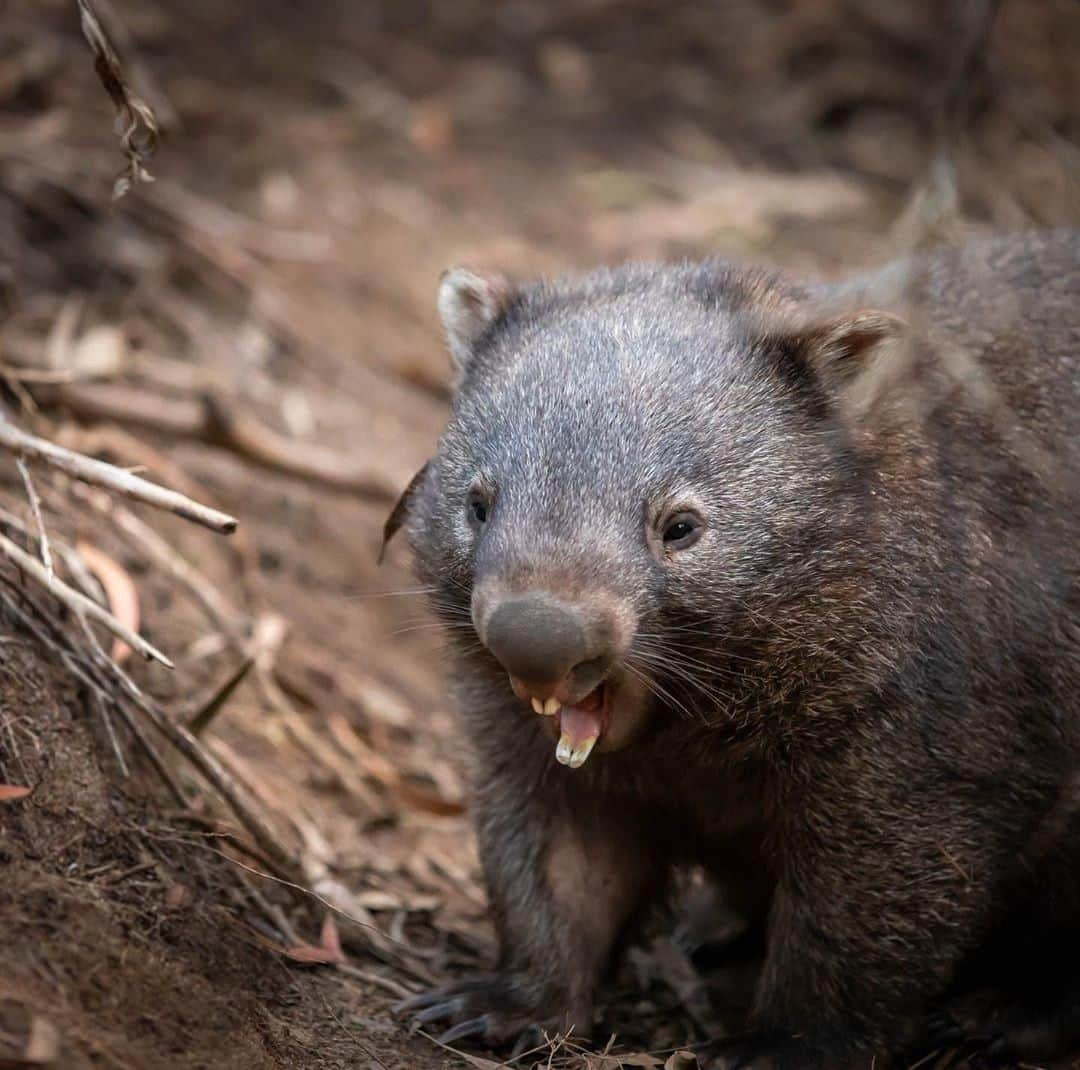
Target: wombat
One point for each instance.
(780, 580)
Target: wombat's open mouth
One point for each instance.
(580, 726)
(608, 718)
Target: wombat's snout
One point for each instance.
(549, 647)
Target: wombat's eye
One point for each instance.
(478, 508)
(681, 530)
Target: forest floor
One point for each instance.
(320, 168)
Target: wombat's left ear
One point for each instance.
(469, 306)
(399, 514)
(838, 349)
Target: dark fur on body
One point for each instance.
(866, 677)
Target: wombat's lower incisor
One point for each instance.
(782, 581)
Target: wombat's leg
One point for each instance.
(564, 881)
(885, 884)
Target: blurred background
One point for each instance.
(256, 328)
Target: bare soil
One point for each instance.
(326, 162)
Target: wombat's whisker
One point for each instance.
(666, 650)
(657, 689)
(403, 593)
(666, 658)
(428, 625)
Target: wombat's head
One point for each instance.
(638, 464)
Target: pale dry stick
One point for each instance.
(110, 731)
(35, 509)
(371, 977)
(100, 474)
(40, 376)
(78, 603)
(80, 574)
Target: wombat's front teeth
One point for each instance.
(575, 757)
(547, 708)
(579, 731)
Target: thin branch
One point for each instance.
(35, 508)
(42, 376)
(78, 603)
(137, 120)
(198, 721)
(117, 480)
(110, 731)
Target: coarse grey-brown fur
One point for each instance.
(866, 675)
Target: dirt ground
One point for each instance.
(321, 165)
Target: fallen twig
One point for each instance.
(78, 603)
(15, 374)
(198, 721)
(117, 480)
(138, 124)
(35, 509)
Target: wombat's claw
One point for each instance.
(529, 1039)
(474, 1027)
(941, 1030)
(487, 1009)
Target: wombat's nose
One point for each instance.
(538, 640)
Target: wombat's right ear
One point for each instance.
(469, 305)
(400, 512)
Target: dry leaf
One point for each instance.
(312, 956)
(329, 950)
(120, 593)
(10, 792)
(329, 939)
(43, 1043)
(682, 1060)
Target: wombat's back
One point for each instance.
(1003, 319)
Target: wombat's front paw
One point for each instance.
(1000, 1032)
(495, 1009)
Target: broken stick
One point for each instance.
(114, 479)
